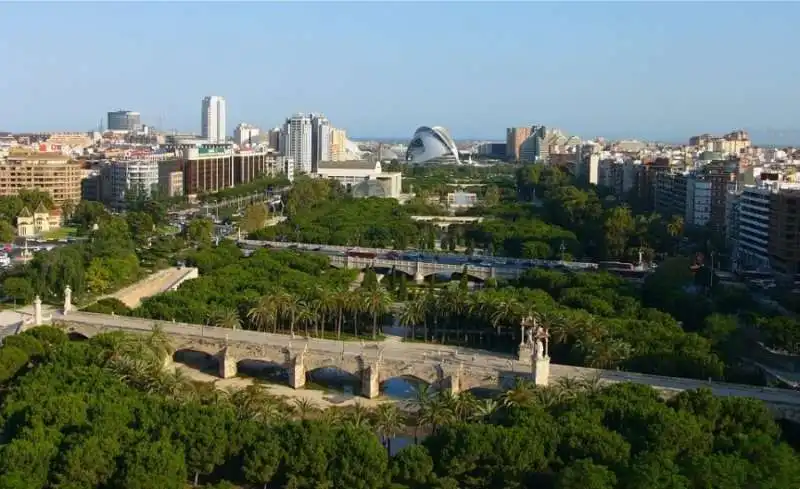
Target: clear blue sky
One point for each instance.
(381, 69)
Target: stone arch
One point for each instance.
(76, 336)
(197, 359)
(263, 369)
(403, 386)
(471, 276)
(335, 377)
(484, 392)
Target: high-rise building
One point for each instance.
(297, 142)
(320, 140)
(124, 120)
(515, 136)
(212, 119)
(784, 231)
(245, 134)
(338, 144)
(275, 139)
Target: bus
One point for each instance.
(361, 254)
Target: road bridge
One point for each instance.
(418, 270)
(373, 363)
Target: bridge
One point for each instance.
(373, 363)
(445, 221)
(418, 270)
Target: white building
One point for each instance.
(362, 178)
(698, 201)
(321, 140)
(752, 243)
(245, 134)
(212, 119)
(297, 142)
(138, 175)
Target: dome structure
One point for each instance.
(432, 145)
(368, 188)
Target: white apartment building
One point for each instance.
(752, 243)
(139, 175)
(698, 201)
(297, 142)
(246, 134)
(212, 119)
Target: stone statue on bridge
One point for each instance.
(67, 299)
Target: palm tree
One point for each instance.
(423, 397)
(305, 314)
(356, 305)
(305, 407)
(548, 396)
(522, 394)
(286, 308)
(485, 409)
(505, 312)
(465, 406)
(326, 305)
(341, 300)
(225, 318)
(254, 402)
(263, 314)
(359, 416)
(377, 303)
(159, 344)
(412, 314)
(441, 411)
(388, 422)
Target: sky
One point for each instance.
(662, 71)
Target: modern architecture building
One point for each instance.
(246, 134)
(53, 173)
(250, 165)
(362, 178)
(515, 136)
(212, 119)
(320, 140)
(124, 120)
(207, 168)
(138, 176)
(297, 142)
(432, 145)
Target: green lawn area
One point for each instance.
(60, 233)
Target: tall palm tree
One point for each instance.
(326, 307)
(506, 312)
(356, 304)
(286, 308)
(412, 314)
(377, 304)
(264, 314)
(419, 404)
(158, 343)
(465, 406)
(388, 422)
(341, 300)
(305, 314)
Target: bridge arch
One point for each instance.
(197, 359)
(404, 386)
(263, 369)
(77, 336)
(335, 377)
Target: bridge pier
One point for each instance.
(451, 379)
(370, 381)
(227, 364)
(541, 371)
(297, 372)
(419, 277)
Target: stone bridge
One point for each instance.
(418, 270)
(373, 363)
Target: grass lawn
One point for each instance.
(60, 233)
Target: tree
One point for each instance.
(492, 196)
(255, 217)
(583, 474)
(200, 231)
(19, 288)
(261, 460)
(377, 304)
(141, 226)
(7, 232)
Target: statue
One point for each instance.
(522, 333)
(538, 349)
(67, 299)
(531, 333)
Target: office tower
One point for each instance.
(338, 144)
(213, 119)
(297, 142)
(124, 120)
(320, 140)
(515, 136)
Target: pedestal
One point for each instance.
(370, 381)
(37, 311)
(524, 354)
(541, 371)
(227, 365)
(297, 373)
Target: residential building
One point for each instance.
(338, 144)
(138, 176)
(53, 173)
(362, 178)
(698, 201)
(297, 142)
(515, 136)
(124, 120)
(784, 235)
(274, 139)
(670, 194)
(492, 150)
(320, 140)
(753, 227)
(245, 134)
(212, 119)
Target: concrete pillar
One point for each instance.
(370, 381)
(541, 371)
(453, 379)
(227, 364)
(297, 372)
(37, 311)
(419, 277)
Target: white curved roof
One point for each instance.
(432, 144)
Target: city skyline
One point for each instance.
(644, 71)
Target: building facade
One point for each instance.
(752, 227)
(297, 142)
(124, 120)
(515, 136)
(252, 165)
(245, 134)
(363, 178)
(53, 173)
(320, 140)
(207, 169)
(784, 236)
(338, 144)
(138, 176)
(212, 119)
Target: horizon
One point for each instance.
(626, 71)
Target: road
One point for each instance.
(409, 352)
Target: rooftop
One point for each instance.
(347, 165)
(39, 157)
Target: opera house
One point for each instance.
(432, 145)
